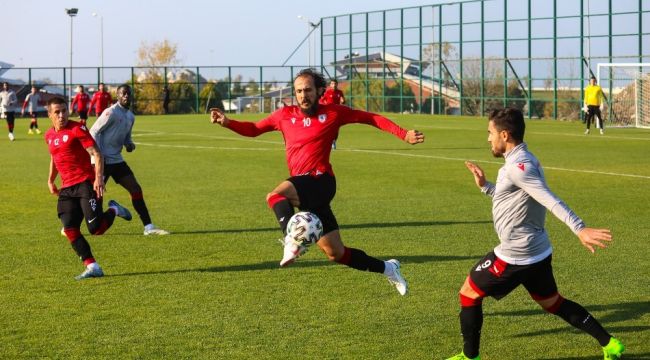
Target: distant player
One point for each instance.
(80, 104)
(333, 96)
(593, 105)
(82, 187)
(31, 103)
(101, 100)
(7, 102)
(112, 131)
(308, 131)
(520, 199)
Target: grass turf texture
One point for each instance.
(213, 288)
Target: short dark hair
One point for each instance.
(334, 81)
(123, 86)
(319, 79)
(510, 120)
(57, 100)
(592, 78)
(81, 87)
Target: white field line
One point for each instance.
(366, 151)
(580, 134)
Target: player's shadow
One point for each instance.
(347, 226)
(273, 265)
(612, 313)
(626, 356)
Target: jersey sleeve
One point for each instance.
(532, 182)
(353, 116)
(253, 129)
(102, 123)
(82, 133)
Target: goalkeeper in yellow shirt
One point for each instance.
(593, 104)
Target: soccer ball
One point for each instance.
(305, 228)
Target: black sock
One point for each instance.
(141, 208)
(580, 318)
(361, 261)
(471, 322)
(82, 248)
(283, 211)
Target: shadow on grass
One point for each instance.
(626, 356)
(274, 265)
(615, 312)
(349, 226)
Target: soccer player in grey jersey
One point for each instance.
(520, 198)
(31, 103)
(112, 131)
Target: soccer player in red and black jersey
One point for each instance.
(82, 186)
(308, 131)
(101, 101)
(332, 95)
(81, 102)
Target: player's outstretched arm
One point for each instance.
(479, 175)
(590, 237)
(218, 117)
(414, 137)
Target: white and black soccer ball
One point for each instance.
(305, 228)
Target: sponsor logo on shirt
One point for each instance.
(322, 118)
(293, 120)
(521, 166)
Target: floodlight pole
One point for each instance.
(310, 29)
(72, 13)
(101, 42)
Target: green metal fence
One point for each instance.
(467, 57)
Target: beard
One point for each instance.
(310, 111)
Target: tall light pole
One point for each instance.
(101, 41)
(310, 27)
(72, 13)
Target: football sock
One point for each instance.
(357, 259)
(471, 322)
(33, 125)
(580, 318)
(282, 209)
(82, 248)
(140, 207)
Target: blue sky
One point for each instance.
(241, 32)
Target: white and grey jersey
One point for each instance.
(32, 102)
(519, 202)
(8, 100)
(112, 131)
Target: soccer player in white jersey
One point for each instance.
(112, 132)
(520, 199)
(31, 103)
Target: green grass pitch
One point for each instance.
(213, 289)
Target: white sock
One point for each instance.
(93, 266)
(149, 227)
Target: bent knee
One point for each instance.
(467, 290)
(549, 303)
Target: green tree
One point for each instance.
(211, 97)
(148, 86)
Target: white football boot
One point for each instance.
(92, 271)
(151, 229)
(395, 276)
(292, 250)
